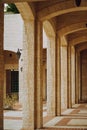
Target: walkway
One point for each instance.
(71, 119)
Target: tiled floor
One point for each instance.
(12, 120)
(75, 118)
(71, 119)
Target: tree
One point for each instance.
(11, 8)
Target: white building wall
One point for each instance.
(13, 32)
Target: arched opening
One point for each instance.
(13, 40)
(51, 63)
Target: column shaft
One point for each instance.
(51, 76)
(73, 73)
(77, 78)
(58, 66)
(64, 77)
(28, 76)
(44, 82)
(32, 75)
(38, 76)
(1, 64)
(21, 86)
(4, 84)
(69, 89)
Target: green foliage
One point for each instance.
(12, 8)
(10, 100)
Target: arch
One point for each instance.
(25, 10)
(72, 28)
(74, 31)
(48, 29)
(70, 18)
(51, 56)
(12, 1)
(81, 47)
(58, 8)
(78, 40)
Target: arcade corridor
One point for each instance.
(61, 79)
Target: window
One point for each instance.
(14, 81)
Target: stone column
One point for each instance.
(77, 78)
(38, 104)
(51, 76)
(69, 89)
(21, 85)
(58, 82)
(73, 73)
(4, 83)
(32, 75)
(1, 64)
(28, 76)
(44, 82)
(80, 80)
(64, 77)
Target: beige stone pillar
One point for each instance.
(77, 77)
(28, 76)
(21, 85)
(38, 75)
(64, 77)
(51, 77)
(80, 87)
(4, 84)
(1, 64)
(69, 89)
(73, 73)
(44, 82)
(58, 82)
(32, 75)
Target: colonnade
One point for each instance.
(60, 74)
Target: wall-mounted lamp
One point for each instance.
(77, 2)
(21, 69)
(19, 53)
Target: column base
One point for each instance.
(58, 114)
